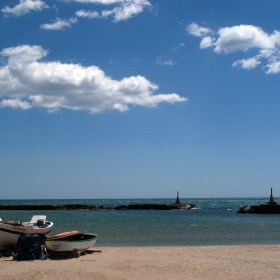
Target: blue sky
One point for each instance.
(139, 99)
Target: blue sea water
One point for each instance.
(214, 221)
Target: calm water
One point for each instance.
(213, 222)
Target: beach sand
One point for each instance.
(221, 262)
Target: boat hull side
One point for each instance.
(70, 245)
(9, 234)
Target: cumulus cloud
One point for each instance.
(197, 30)
(15, 104)
(59, 24)
(24, 7)
(273, 67)
(124, 10)
(247, 63)
(243, 38)
(26, 81)
(207, 42)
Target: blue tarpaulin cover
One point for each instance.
(30, 247)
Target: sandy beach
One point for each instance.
(222, 262)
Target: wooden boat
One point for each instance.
(71, 241)
(11, 230)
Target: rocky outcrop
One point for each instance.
(271, 207)
(260, 209)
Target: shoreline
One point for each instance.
(182, 262)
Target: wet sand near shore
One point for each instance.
(217, 262)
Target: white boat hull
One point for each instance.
(10, 232)
(71, 243)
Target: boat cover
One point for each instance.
(62, 235)
(30, 247)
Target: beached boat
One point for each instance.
(71, 241)
(11, 230)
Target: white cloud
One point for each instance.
(104, 2)
(243, 38)
(207, 42)
(125, 9)
(273, 67)
(198, 31)
(87, 14)
(128, 9)
(248, 64)
(164, 61)
(54, 85)
(23, 54)
(24, 7)
(15, 104)
(59, 24)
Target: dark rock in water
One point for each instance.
(155, 207)
(271, 207)
(260, 209)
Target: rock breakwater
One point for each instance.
(94, 207)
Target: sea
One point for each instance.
(213, 222)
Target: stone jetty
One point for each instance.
(49, 207)
(175, 206)
(271, 207)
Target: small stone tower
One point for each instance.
(178, 199)
(271, 199)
